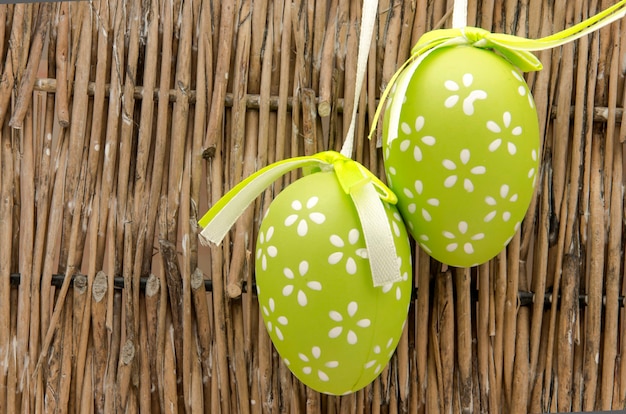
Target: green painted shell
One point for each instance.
(463, 159)
(332, 328)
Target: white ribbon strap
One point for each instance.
(379, 242)
(368, 18)
(459, 14)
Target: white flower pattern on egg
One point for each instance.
(347, 250)
(504, 197)
(300, 284)
(464, 169)
(378, 352)
(426, 139)
(273, 321)
(312, 362)
(265, 249)
(300, 216)
(472, 95)
(412, 206)
(350, 323)
(504, 132)
(462, 238)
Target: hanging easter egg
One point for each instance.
(461, 152)
(332, 328)
(333, 268)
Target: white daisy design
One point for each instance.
(464, 169)
(265, 249)
(312, 362)
(471, 95)
(348, 251)
(348, 324)
(302, 213)
(298, 285)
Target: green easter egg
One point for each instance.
(332, 328)
(463, 159)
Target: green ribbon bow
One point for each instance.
(365, 189)
(515, 49)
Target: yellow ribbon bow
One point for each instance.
(515, 49)
(365, 189)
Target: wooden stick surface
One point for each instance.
(123, 122)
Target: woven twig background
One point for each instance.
(122, 121)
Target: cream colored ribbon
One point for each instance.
(459, 14)
(368, 20)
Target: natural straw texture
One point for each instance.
(123, 121)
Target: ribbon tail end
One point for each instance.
(207, 238)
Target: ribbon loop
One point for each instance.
(349, 175)
(221, 217)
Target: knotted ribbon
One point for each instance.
(515, 49)
(365, 189)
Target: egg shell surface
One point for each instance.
(463, 159)
(331, 326)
